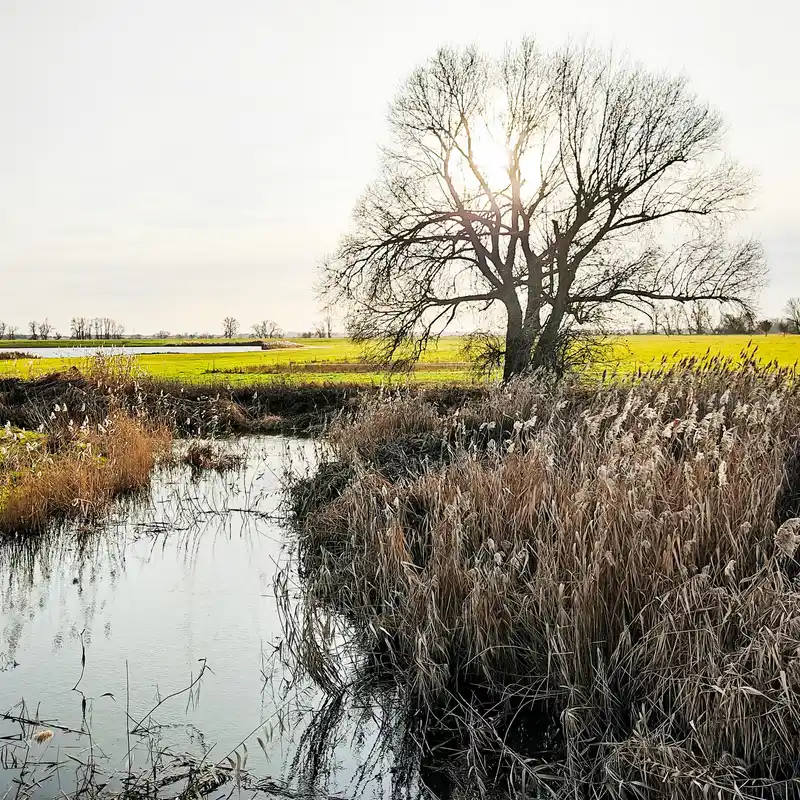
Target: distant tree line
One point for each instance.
(8, 331)
(322, 329)
(265, 329)
(36, 330)
(697, 318)
(95, 328)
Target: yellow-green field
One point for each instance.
(339, 360)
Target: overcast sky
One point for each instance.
(170, 162)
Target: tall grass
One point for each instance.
(583, 592)
(80, 472)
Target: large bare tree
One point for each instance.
(554, 186)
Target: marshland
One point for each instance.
(540, 588)
(500, 499)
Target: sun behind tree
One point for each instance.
(613, 194)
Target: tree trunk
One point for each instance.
(547, 355)
(518, 348)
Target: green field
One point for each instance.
(318, 360)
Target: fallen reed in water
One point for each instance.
(209, 456)
(579, 590)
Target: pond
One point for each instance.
(83, 352)
(100, 626)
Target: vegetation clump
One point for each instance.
(207, 456)
(73, 471)
(579, 591)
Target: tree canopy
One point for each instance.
(552, 186)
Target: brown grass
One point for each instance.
(15, 355)
(597, 563)
(80, 473)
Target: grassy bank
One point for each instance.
(580, 591)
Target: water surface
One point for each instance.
(98, 624)
(83, 352)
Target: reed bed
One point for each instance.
(74, 471)
(583, 592)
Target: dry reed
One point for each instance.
(597, 563)
(82, 469)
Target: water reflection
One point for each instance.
(179, 578)
(163, 633)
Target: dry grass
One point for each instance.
(15, 355)
(76, 472)
(597, 564)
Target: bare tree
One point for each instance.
(11, 331)
(45, 329)
(319, 329)
(543, 184)
(267, 329)
(784, 326)
(2, 328)
(792, 312)
(230, 327)
(765, 326)
(654, 315)
(673, 319)
(328, 320)
(95, 328)
(699, 317)
(80, 328)
(737, 322)
(33, 329)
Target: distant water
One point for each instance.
(83, 352)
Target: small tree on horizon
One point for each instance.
(320, 330)
(737, 322)
(267, 329)
(230, 327)
(553, 186)
(765, 326)
(784, 326)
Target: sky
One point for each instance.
(168, 163)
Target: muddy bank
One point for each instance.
(196, 409)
